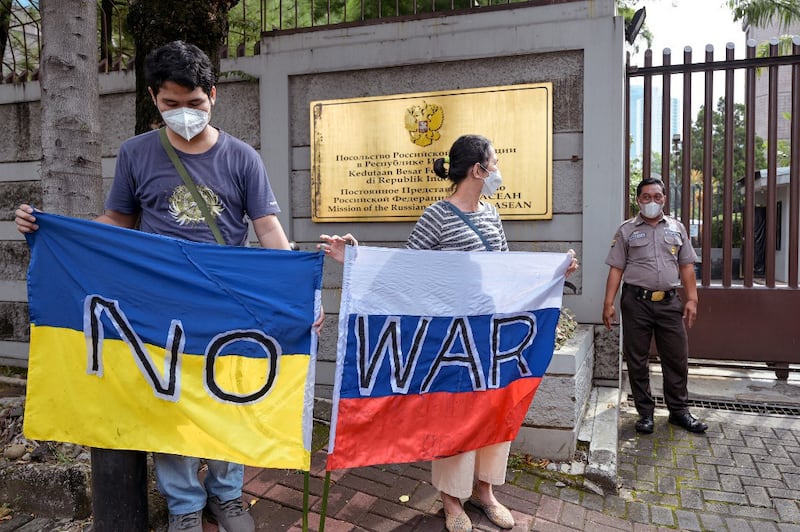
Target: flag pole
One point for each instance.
(324, 510)
(306, 476)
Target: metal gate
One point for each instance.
(744, 227)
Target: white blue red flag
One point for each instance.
(440, 352)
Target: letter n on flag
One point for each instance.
(140, 341)
(439, 352)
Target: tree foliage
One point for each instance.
(115, 41)
(20, 21)
(763, 12)
(717, 147)
(717, 151)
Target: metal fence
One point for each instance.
(248, 20)
(293, 14)
(22, 43)
(702, 194)
(746, 311)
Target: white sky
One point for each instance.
(696, 23)
(676, 24)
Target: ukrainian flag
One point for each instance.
(140, 341)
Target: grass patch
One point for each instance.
(13, 371)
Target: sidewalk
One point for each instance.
(742, 475)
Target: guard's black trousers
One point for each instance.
(641, 320)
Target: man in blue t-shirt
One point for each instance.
(149, 193)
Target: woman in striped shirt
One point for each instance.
(462, 222)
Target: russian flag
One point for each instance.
(439, 352)
(140, 341)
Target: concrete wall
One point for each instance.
(550, 429)
(576, 45)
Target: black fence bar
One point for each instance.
(647, 132)
(772, 169)
(794, 172)
(727, 184)
(666, 119)
(627, 156)
(748, 210)
(687, 199)
(759, 62)
(708, 183)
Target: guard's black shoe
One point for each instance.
(645, 425)
(688, 422)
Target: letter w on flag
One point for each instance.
(145, 342)
(439, 352)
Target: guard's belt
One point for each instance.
(651, 295)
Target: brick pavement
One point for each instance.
(743, 475)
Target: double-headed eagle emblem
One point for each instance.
(423, 123)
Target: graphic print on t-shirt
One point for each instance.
(185, 210)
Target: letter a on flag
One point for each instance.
(439, 352)
(140, 341)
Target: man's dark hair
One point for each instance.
(650, 181)
(181, 63)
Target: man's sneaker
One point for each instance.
(230, 515)
(192, 522)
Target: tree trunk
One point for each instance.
(154, 23)
(71, 150)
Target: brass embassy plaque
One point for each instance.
(372, 158)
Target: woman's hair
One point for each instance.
(181, 63)
(464, 153)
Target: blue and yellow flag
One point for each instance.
(145, 342)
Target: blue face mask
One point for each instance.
(492, 183)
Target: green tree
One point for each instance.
(718, 142)
(717, 149)
(763, 12)
(116, 43)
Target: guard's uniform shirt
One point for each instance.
(649, 255)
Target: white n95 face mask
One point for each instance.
(186, 122)
(651, 210)
(492, 183)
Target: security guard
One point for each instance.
(655, 255)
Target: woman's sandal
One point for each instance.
(497, 513)
(457, 522)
